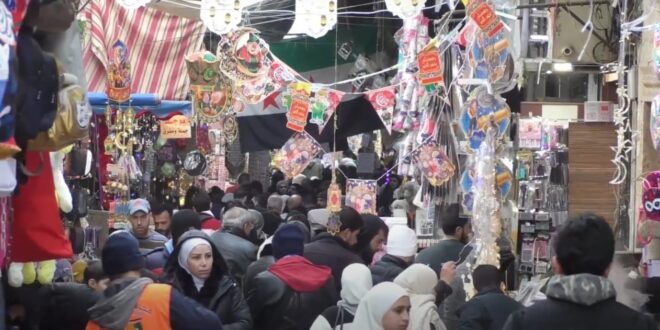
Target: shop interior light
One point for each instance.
(539, 37)
(562, 67)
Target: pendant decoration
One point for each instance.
(297, 101)
(221, 16)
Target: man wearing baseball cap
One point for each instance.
(140, 218)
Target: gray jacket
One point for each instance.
(238, 252)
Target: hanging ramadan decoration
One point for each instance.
(221, 16)
(478, 111)
(318, 16)
(210, 92)
(244, 61)
(383, 100)
(297, 100)
(361, 195)
(119, 73)
(324, 103)
(296, 154)
(434, 164)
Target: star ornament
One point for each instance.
(271, 100)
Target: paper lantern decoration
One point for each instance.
(405, 8)
(119, 73)
(318, 16)
(361, 195)
(221, 16)
(434, 164)
(479, 111)
(133, 4)
(296, 153)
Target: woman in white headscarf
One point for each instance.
(419, 281)
(197, 270)
(384, 307)
(355, 283)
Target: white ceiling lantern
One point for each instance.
(221, 16)
(316, 17)
(405, 8)
(133, 4)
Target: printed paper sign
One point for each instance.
(177, 127)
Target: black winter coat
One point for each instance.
(275, 305)
(579, 302)
(65, 306)
(331, 251)
(488, 310)
(220, 292)
(387, 269)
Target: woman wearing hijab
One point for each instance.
(372, 238)
(197, 270)
(355, 283)
(420, 280)
(384, 307)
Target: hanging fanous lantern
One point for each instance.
(221, 16)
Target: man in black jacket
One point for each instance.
(401, 250)
(293, 291)
(490, 308)
(335, 251)
(580, 296)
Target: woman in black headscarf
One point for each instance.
(372, 238)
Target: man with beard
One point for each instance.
(453, 247)
(235, 240)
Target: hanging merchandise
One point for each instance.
(334, 198)
(195, 163)
(383, 101)
(405, 9)
(434, 163)
(483, 15)
(318, 16)
(119, 73)
(489, 57)
(361, 195)
(430, 71)
(211, 93)
(654, 121)
(297, 101)
(530, 133)
(177, 127)
(296, 154)
(244, 61)
(221, 16)
(230, 129)
(478, 111)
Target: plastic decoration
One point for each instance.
(296, 154)
(383, 100)
(243, 56)
(405, 8)
(334, 198)
(361, 195)
(434, 163)
(297, 101)
(430, 71)
(480, 109)
(211, 94)
(319, 16)
(324, 103)
(221, 16)
(484, 16)
(503, 179)
(655, 122)
(119, 73)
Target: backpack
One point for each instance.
(71, 122)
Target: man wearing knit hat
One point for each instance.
(132, 302)
(401, 249)
(293, 291)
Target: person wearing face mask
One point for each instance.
(335, 251)
(197, 269)
(385, 307)
(235, 241)
(372, 238)
(356, 282)
(420, 281)
(457, 230)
